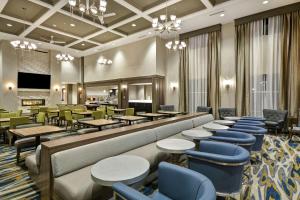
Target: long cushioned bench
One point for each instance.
(71, 168)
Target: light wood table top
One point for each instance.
(98, 122)
(130, 118)
(118, 110)
(169, 112)
(151, 114)
(36, 131)
(4, 120)
(83, 113)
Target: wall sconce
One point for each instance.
(124, 86)
(104, 61)
(80, 89)
(56, 88)
(173, 85)
(228, 83)
(10, 86)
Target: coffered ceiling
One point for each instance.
(83, 34)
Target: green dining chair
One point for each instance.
(129, 112)
(110, 112)
(102, 108)
(19, 113)
(41, 118)
(70, 121)
(51, 116)
(14, 122)
(98, 114)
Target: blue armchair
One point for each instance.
(174, 183)
(258, 132)
(261, 119)
(222, 163)
(235, 137)
(250, 123)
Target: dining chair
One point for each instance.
(41, 118)
(204, 109)
(70, 121)
(98, 114)
(295, 130)
(167, 107)
(227, 112)
(276, 120)
(174, 183)
(222, 163)
(129, 112)
(110, 112)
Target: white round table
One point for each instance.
(214, 127)
(233, 118)
(199, 134)
(225, 122)
(176, 147)
(128, 169)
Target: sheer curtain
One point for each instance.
(265, 50)
(198, 71)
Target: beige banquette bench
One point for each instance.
(71, 168)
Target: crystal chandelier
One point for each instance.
(64, 57)
(94, 9)
(175, 45)
(105, 61)
(24, 45)
(166, 23)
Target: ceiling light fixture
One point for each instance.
(9, 25)
(54, 25)
(82, 44)
(133, 25)
(222, 15)
(64, 57)
(265, 2)
(23, 45)
(92, 7)
(175, 45)
(166, 23)
(72, 25)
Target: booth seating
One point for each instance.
(170, 187)
(222, 163)
(71, 168)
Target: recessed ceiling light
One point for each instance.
(222, 15)
(149, 33)
(133, 25)
(54, 25)
(82, 44)
(39, 43)
(265, 2)
(9, 25)
(72, 25)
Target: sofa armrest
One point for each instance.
(128, 192)
(218, 159)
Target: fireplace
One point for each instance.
(33, 102)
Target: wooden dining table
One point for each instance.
(85, 113)
(130, 119)
(99, 123)
(36, 132)
(170, 113)
(152, 116)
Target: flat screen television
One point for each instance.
(33, 81)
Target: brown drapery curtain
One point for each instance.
(242, 48)
(290, 69)
(214, 56)
(213, 92)
(184, 78)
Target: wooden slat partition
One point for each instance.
(51, 147)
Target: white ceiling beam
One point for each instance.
(161, 6)
(207, 3)
(44, 17)
(15, 19)
(2, 4)
(134, 9)
(41, 3)
(59, 32)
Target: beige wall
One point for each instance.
(13, 61)
(132, 60)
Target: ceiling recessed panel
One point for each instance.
(105, 37)
(51, 2)
(45, 36)
(83, 46)
(134, 26)
(70, 25)
(121, 13)
(11, 27)
(181, 8)
(23, 9)
(145, 4)
(215, 2)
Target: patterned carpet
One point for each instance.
(277, 177)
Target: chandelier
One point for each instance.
(23, 44)
(88, 8)
(166, 23)
(175, 45)
(64, 57)
(105, 61)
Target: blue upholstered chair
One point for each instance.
(258, 132)
(261, 119)
(275, 119)
(174, 183)
(204, 109)
(248, 122)
(235, 137)
(222, 163)
(167, 107)
(227, 112)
